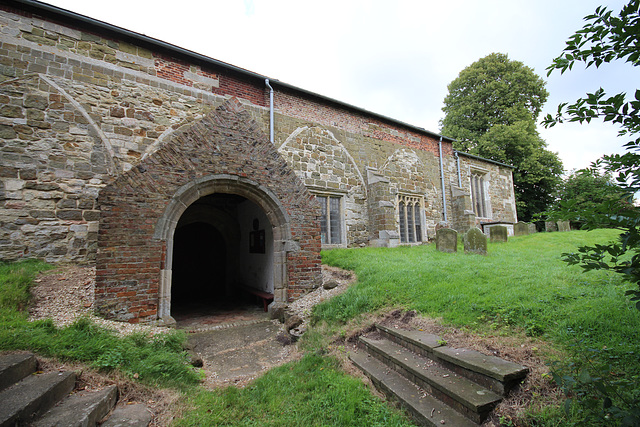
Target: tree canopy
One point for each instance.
(492, 91)
(606, 398)
(588, 189)
(491, 110)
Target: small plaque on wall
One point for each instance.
(256, 242)
(256, 239)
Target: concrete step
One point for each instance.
(81, 409)
(492, 372)
(33, 396)
(136, 415)
(425, 409)
(465, 396)
(14, 367)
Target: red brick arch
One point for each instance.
(225, 152)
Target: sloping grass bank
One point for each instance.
(310, 392)
(521, 286)
(159, 361)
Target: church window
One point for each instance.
(331, 219)
(479, 194)
(410, 218)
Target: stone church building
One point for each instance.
(181, 177)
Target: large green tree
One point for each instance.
(491, 110)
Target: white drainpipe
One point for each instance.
(271, 125)
(444, 197)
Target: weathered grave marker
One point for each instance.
(520, 229)
(550, 226)
(475, 242)
(446, 240)
(498, 233)
(564, 226)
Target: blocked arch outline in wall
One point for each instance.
(335, 140)
(224, 184)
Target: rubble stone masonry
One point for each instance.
(101, 128)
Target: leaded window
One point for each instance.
(478, 195)
(330, 219)
(410, 218)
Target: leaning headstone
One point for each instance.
(532, 228)
(498, 234)
(550, 226)
(447, 240)
(564, 226)
(520, 229)
(475, 242)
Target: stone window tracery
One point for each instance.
(410, 218)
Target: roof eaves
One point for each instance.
(484, 160)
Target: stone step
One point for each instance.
(14, 367)
(80, 409)
(33, 396)
(136, 415)
(425, 409)
(472, 400)
(492, 372)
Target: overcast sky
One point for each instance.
(392, 57)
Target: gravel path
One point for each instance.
(67, 293)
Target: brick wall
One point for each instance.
(225, 142)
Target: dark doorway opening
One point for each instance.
(199, 260)
(214, 262)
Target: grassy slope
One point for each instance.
(157, 361)
(521, 284)
(311, 392)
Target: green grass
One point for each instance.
(520, 284)
(310, 392)
(15, 281)
(160, 360)
(520, 287)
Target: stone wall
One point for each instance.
(87, 110)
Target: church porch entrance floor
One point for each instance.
(200, 317)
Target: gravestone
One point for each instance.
(475, 242)
(520, 229)
(446, 240)
(550, 226)
(564, 226)
(532, 228)
(498, 234)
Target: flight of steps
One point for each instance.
(29, 397)
(436, 384)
